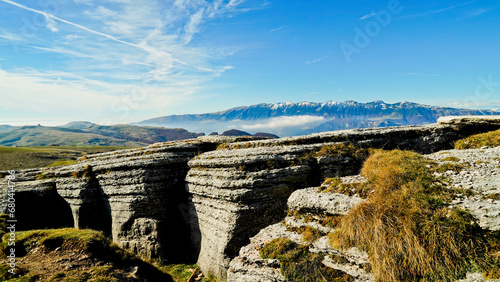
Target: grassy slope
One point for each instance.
(144, 134)
(96, 135)
(73, 255)
(32, 157)
(490, 139)
(70, 254)
(43, 136)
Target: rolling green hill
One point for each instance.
(91, 135)
(24, 147)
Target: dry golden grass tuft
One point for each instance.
(335, 185)
(343, 150)
(408, 229)
(490, 139)
(311, 234)
(298, 264)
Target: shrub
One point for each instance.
(86, 173)
(343, 150)
(450, 166)
(42, 176)
(3, 225)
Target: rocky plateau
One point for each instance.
(217, 200)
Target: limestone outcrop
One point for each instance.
(136, 196)
(476, 172)
(307, 208)
(243, 187)
(203, 199)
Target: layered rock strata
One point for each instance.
(243, 187)
(164, 199)
(474, 174)
(136, 196)
(307, 208)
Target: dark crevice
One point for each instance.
(95, 213)
(41, 210)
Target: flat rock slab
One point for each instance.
(328, 203)
(480, 181)
(469, 119)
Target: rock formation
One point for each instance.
(187, 199)
(243, 187)
(479, 177)
(135, 196)
(307, 208)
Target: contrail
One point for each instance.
(438, 11)
(50, 16)
(144, 48)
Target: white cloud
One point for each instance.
(51, 24)
(286, 121)
(192, 26)
(113, 47)
(73, 36)
(86, 2)
(367, 16)
(234, 3)
(317, 60)
(11, 37)
(277, 29)
(52, 94)
(44, 95)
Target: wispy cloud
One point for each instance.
(51, 94)
(53, 18)
(317, 60)
(51, 24)
(11, 37)
(367, 16)
(114, 48)
(191, 27)
(437, 10)
(277, 29)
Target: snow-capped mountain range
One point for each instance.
(287, 118)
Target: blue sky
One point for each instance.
(122, 61)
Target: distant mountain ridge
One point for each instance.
(285, 119)
(279, 119)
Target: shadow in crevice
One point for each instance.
(175, 228)
(42, 210)
(314, 176)
(95, 210)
